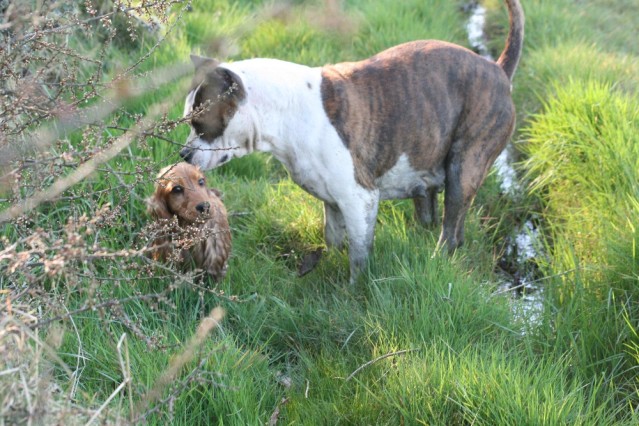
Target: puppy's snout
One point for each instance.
(187, 154)
(203, 207)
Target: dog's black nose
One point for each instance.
(187, 154)
(203, 207)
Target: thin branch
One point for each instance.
(108, 400)
(108, 303)
(207, 325)
(123, 91)
(369, 363)
(81, 172)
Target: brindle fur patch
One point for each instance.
(424, 99)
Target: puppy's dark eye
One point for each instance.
(177, 189)
(201, 182)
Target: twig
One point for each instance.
(78, 372)
(379, 358)
(108, 303)
(349, 338)
(276, 414)
(9, 371)
(52, 352)
(123, 91)
(81, 172)
(30, 36)
(206, 326)
(147, 133)
(177, 390)
(27, 395)
(108, 400)
(126, 369)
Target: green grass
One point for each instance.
(289, 343)
(577, 97)
(585, 143)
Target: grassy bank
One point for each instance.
(423, 339)
(579, 137)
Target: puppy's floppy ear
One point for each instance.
(156, 206)
(158, 209)
(216, 192)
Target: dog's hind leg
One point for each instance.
(465, 172)
(426, 208)
(334, 226)
(334, 236)
(455, 205)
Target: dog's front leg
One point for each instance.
(360, 214)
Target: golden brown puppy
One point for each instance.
(181, 191)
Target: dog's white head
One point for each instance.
(219, 130)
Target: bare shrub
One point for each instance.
(76, 163)
(28, 391)
(75, 167)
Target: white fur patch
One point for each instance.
(190, 98)
(403, 181)
(282, 114)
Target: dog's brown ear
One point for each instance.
(201, 61)
(157, 208)
(229, 83)
(203, 68)
(225, 82)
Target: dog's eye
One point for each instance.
(177, 189)
(201, 182)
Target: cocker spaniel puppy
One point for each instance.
(203, 235)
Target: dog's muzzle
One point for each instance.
(203, 207)
(187, 154)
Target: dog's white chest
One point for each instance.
(319, 178)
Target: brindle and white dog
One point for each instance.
(416, 119)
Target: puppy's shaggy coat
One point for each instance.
(181, 191)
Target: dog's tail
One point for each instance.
(509, 58)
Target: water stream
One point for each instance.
(523, 243)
